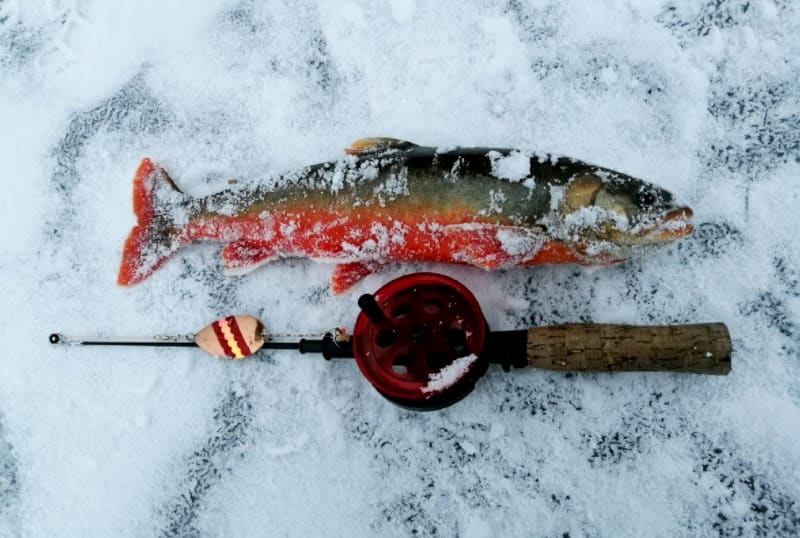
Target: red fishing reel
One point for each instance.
(420, 340)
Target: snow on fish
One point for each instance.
(393, 201)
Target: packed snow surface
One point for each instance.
(701, 98)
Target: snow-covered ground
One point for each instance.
(700, 97)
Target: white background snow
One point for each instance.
(700, 97)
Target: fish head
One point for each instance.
(607, 215)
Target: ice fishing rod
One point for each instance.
(231, 337)
(422, 341)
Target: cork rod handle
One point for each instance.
(701, 349)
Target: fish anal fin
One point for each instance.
(347, 275)
(373, 145)
(244, 255)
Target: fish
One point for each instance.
(390, 200)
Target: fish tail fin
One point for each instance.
(153, 240)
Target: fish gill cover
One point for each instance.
(698, 97)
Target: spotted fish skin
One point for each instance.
(393, 201)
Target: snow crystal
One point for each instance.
(369, 170)
(593, 216)
(515, 166)
(519, 241)
(398, 233)
(557, 194)
(337, 180)
(380, 233)
(288, 228)
(449, 375)
(395, 184)
(495, 203)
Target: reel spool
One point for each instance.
(419, 341)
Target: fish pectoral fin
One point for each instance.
(244, 255)
(347, 275)
(364, 146)
(493, 246)
(554, 252)
(475, 244)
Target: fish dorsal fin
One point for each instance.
(374, 145)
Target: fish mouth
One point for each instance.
(675, 224)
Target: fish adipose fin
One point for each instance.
(244, 255)
(364, 146)
(347, 275)
(152, 241)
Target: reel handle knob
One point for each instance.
(370, 307)
(703, 348)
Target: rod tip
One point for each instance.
(55, 338)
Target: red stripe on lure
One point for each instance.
(230, 339)
(222, 341)
(393, 201)
(236, 332)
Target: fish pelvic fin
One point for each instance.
(493, 246)
(153, 240)
(347, 275)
